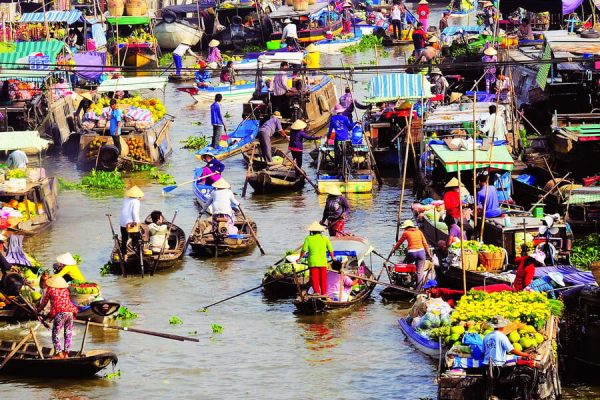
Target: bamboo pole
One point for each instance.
(462, 245)
(409, 135)
(45, 21)
(475, 156)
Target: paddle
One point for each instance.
(262, 251)
(249, 169)
(169, 189)
(187, 242)
(18, 346)
(164, 245)
(117, 245)
(301, 172)
(384, 284)
(142, 331)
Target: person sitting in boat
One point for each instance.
(265, 132)
(347, 101)
(335, 212)
(297, 136)
(417, 250)
(312, 58)
(525, 32)
(66, 266)
(62, 312)
(454, 233)
(223, 205)
(61, 89)
(17, 160)
(317, 246)
(289, 34)
(202, 76)
(214, 58)
(496, 344)
(130, 219)
(159, 232)
(526, 265)
(212, 170)
(180, 51)
(380, 19)
(547, 284)
(439, 84)
(228, 73)
(72, 41)
(334, 280)
(487, 198)
(341, 126)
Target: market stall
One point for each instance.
(132, 42)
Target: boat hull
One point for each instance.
(424, 345)
(335, 46)
(170, 35)
(204, 243)
(264, 182)
(360, 185)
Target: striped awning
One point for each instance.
(23, 50)
(391, 87)
(453, 159)
(70, 17)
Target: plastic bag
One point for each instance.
(475, 342)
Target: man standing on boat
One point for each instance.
(419, 37)
(494, 126)
(130, 219)
(335, 212)
(397, 15)
(265, 132)
(223, 205)
(178, 54)
(280, 89)
(341, 126)
(115, 124)
(487, 197)
(347, 101)
(290, 34)
(444, 20)
(216, 119)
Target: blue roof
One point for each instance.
(70, 17)
(391, 87)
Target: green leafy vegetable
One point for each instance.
(216, 328)
(194, 142)
(175, 320)
(586, 251)
(125, 314)
(105, 269)
(367, 42)
(96, 180)
(113, 375)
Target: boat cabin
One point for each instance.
(312, 23)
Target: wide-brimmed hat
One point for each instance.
(334, 191)
(214, 43)
(435, 70)
(338, 109)
(487, 4)
(311, 48)
(423, 2)
(539, 256)
(287, 21)
(348, 4)
(298, 124)
(57, 282)
(87, 96)
(316, 227)
(430, 284)
(490, 51)
(407, 224)
(433, 39)
(557, 277)
(454, 97)
(452, 183)
(134, 192)
(66, 259)
(221, 184)
(498, 322)
(206, 153)
(277, 114)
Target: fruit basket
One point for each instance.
(492, 261)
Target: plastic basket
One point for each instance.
(492, 262)
(273, 45)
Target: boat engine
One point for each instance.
(220, 229)
(404, 275)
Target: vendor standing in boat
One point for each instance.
(62, 311)
(159, 232)
(297, 136)
(115, 124)
(452, 199)
(66, 266)
(213, 167)
(347, 101)
(341, 126)
(317, 246)
(280, 89)
(497, 346)
(347, 17)
(130, 219)
(489, 57)
(417, 250)
(444, 20)
(266, 131)
(214, 58)
(216, 119)
(419, 37)
(223, 205)
(335, 212)
(178, 54)
(494, 125)
(423, 13)
(488, 196)
(526, 266)
(289, 35)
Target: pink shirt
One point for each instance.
(333, 286)
(214, 55)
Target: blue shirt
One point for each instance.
(492, 208)
(543, 284)
(341, 125)
(215, 165)
(496, 346)
(215, 114)
(116, 116)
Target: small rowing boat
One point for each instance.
(279, 281)
(27, 361)
(335, 46)
(231, 93)
(205, 243)
(420, 342)
(268, 60)
(358, 177)
(239, 140)
(275, 179)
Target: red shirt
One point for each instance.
(423, 11)
(524, 274)
(452, 203)
(60, 301)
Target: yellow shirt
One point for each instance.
(73, 271)
(313, 60)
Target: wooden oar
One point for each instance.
(168, 189)
(187, 242)
(249, 169)
(18, 346)
(164, 245)
(301, 172)
(117, 245)
(547, 194)
(411, 291)
(142, 331)
(251, 230)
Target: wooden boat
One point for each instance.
(41, 194)
(418, 341)
(389, 42)
(230, 93)
(279, 282)
(356, 249)
(259, 162)
(335, 46)
(204, 243)
(277, 178)
(27, 362)
(316, 14)
(169, 35)
(268, 60)
(532, 183)
(359, 179)
(401, 276)
(239, 140)
(583, 209)
(171, 256)
(201, 192)
(184, 77)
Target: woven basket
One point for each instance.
(471, 261)
(595, 268)
(492, 262)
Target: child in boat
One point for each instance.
(228, 74)
(62, 311)
(334, 279)
(159, 232)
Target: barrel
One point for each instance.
(115, 7)
(300, 5)
(136, 8)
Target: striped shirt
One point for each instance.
(280, 83)
(543, 284)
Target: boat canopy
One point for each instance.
(191, 8)
(563, 42)
(455, 30)
(129, 20)
(18, 140)
(27, 75)
(112, 85)
(452, 159)
(351, 246)
(289, 12)
(584, 195)
(23, 50)
(392, 87)
(70, 17)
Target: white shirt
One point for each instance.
(222, 201)
(158, 236)
(500, 125)
(182, 49)
(130, 212)
(290, 31)
(396, 13)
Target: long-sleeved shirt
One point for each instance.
(271, 126)
(499, 128)
(342, 127)
(60, 301)
(222, 201)
(289, 31)
(182, 49)
(452, 203)
(280, 83)
(335, 208)
(415, 239)
(347, 101)
(296, 138)
(419, 36)
(215, 114)
(130, 212)
(158, 236)
(215, 165)
(492, 206)
(214, 55)
(73, 272)
(543, 284)
(317, 246)
(525, 272)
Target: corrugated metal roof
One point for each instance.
(70, 17)
(391, 87)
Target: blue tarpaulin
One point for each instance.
(70, 17)
(571, 275)
(391, 87)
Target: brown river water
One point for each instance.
(264, 351)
